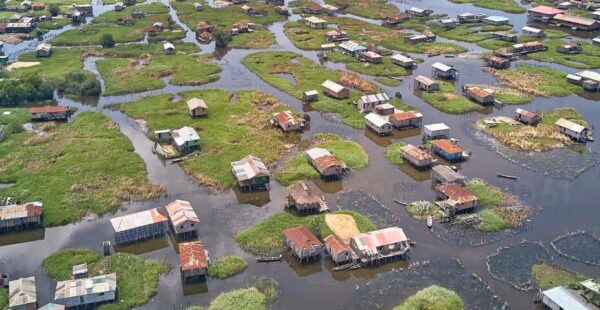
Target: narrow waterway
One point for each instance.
(562, 205)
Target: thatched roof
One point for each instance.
(303, 193)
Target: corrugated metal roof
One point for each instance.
(370, 241)
(565, 123)
(590, 75)
(377, 120)
(448, 173)
(87, 286)
(138, 219)
(317, 152)
(315, 20)
(415, 152)
(325, 162)
(184, 134)
(333, 86)
(497, 18)
(48, 109)
(436, 127)
(575, 19)
(404, 116)
(286, 117)
(525, 113)
(425, 80)
(381, 97)
(181, 211)
(192, 255)
(21, 211)
(249, 167)
(352, 46)
(442, 67)
(336, 245)
(52, 306)
(22, 292)
(531, 29)
(402, 58)
(564, 299)
(301, 238)
(447, 146)
(456, 193)
(546, 10)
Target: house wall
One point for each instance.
(184, 227)
(31, 306)
(86, 299)
(383, 130)
(341, 257)
(455, 156)
(194, 273)
(18, 222)
(141, 233)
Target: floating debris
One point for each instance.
(579, 246)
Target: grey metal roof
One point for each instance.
(563, 298)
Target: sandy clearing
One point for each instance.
(342, 225)
(21, 64)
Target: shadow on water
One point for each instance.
(143, 247)
(255, 198)
(22, 236)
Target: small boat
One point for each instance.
(266, 259)
(354, 267)
(429, 221)
(506, 176)
(400, 202)
(344, 266)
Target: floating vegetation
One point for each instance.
(513, 264)
(579, 246)
(391, 288)
(563, 164)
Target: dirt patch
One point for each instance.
(354, 81)
(14, 38)
(21, 64)
(342, 225)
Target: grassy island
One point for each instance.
(432, 298)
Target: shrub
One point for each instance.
(107, 40)
(222, 39)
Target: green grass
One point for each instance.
(298, 168)
(588, 59)
(307, 38)
(491, 221)
(387, 68)
(419, 212)
(227, 267)
(546, 276)
(308, 76)
(225, 17)
(56, 67)
(105, 23)
(92, 168)
(3, 298)
(230, 132)
(388, 81)
(59, 265)
(240, 299)
(472, 32)
(55, 23)
(539, 81)
(126, 75)
(432, 298)
(392, 153)
(488, 195)
(447, 100)
(511, 96)
(567, 113)
(137, 279)
(266, 236)
(374, 9)
(509, 6)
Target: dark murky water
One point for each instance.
(568, 205)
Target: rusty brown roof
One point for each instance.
(48, 109)
(301, 238)
(403, 116)
(336, 245)
(325, 162)
(192, 255)
(456, 192)
(447, 146)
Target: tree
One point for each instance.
(222, 38)
(107, 40)
(53, 9)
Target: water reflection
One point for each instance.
(143, 247)
(22, 236)
(257, 198)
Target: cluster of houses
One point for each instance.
(438, 70)
(383, 116)
(365, 248)
(589, 80)
(585, 296)
(204, 30)
(569, 128)
(559, 17)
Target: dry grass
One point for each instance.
(342, 225)
(352, 80)
(522, 81)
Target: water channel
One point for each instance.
(564, 204)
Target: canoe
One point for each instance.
(506, 176)
(429, 221)
(265, 259)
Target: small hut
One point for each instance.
(304, 198)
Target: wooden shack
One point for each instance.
(542, 14)
(197, 107)
(336, 35)
(573, 130)
(183, 218)
(325, 163)
(385, 109)
(403, 61)
(315, 22)
(335, 90)
(436, 131)
(497, 20)
(395, 19)
(533, 32)
(420, 159)
(169, 48)
(251, 173)
(455, 199)
(303, 244)
(406, 119)
(576, 22)
(87, 292)
(49, 113)
(529, 47)
(367, 103)
(440, 70)
(304, 198)
(139, 226)
(478, 95)
(310, 96)
(420, 38)
(526, 117)
(470, 17)
(16, 217)
(193, 260)
(447, 23)
(288, 121)
(497, 62)
(572, 48)
(426, 84)
(339, 251)
(370, 57)
(378, 124)
(505, 36)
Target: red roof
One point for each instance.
(447, 146)
(48, 109)
(314, 8)
(478, 92)
(456, 192)
(325, 162)
(286, 117)
(336, 245)
(546, 10)
(301, 238)
(192, 255)
(403, 116)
